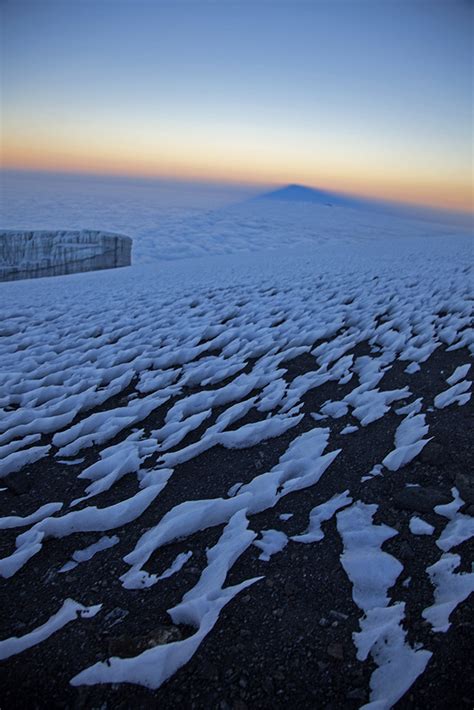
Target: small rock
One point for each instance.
(338, 615)
(115, 617)
(323, 622)
(465, 485)
(335, 650)
(434, 454)
(267, 685)
(245, 599)
(419, 499)
(83, 699)
(404, 551)
(356, 694)
(290, 589)
(278, 613)
(209, 671)
(18, 482)
(127, 646)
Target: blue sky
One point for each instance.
(367, 96)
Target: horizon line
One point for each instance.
(242, 184)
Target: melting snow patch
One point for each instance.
(457, 394)
(200, 608)
(399, 665)
(334, 409)
(450, 510)
(272, 541)
(450, 590)
(459, 528)
(408, 442)
(320, 514)
(375, 471)
(372, 572)
(420, 527)
(458, 374)
(88, 552)
(412, 408)
(349, 429)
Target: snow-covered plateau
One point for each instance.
(239, 475)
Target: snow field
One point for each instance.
(144, 371)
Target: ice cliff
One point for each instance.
(26, 255)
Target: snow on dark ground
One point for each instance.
(242, 479)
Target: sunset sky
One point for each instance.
(370, 97)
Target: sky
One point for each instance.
(371, 97)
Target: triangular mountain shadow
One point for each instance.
(301, 193)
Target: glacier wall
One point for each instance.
(31, 254)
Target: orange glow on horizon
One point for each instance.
(166, 163)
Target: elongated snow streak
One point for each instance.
(69, 611)
(16, 521)
(177, 564)
(87, 553)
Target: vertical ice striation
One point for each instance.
(26, 255)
